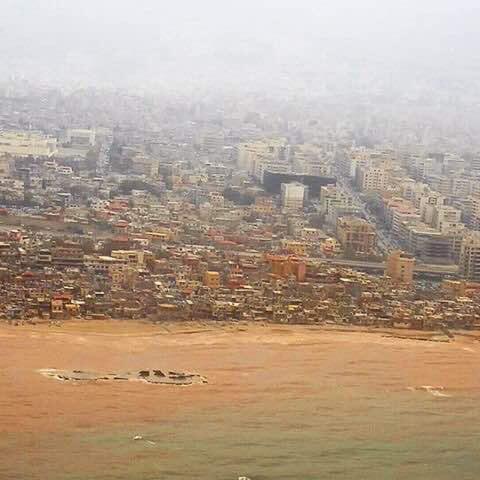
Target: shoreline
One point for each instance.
(245, 364)
(144, 328)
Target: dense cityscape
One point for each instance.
(239, 240)
(228, 208)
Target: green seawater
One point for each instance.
(344, 433)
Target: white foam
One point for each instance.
(435, 391)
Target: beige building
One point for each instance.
(4, 166)
(295, 247)
(453, 288)
(130, 257)
(255, 157)
(412, 190)
(211, 279)
(399, 267)
(355, 159)
(216, 199)
(309, 159)
(263, 206)
(145, 165)
(475, 212)
(24, 144)
(356, 235)
(372, 179)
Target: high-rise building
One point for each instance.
(474, 217)
(80, 137)
(372, 179)
(400, 267)
(213, 142)
(293, 195)
(332, 196)
(287, 265)
(470, 257)
(256, 157)
(356, 158)
(427, 243)
(447, 218)
(475, 164)
(356, 235)
(4, 165)
(428, 203)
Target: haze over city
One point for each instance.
(239, 239)
(240, 45)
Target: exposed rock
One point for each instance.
(148, 376)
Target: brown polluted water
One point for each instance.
(280, 403)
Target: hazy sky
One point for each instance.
(123, 42)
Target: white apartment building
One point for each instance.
(293, 195)
(428, 202)
(332, 196)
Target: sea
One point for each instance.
(346, 433)
(277, 407)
